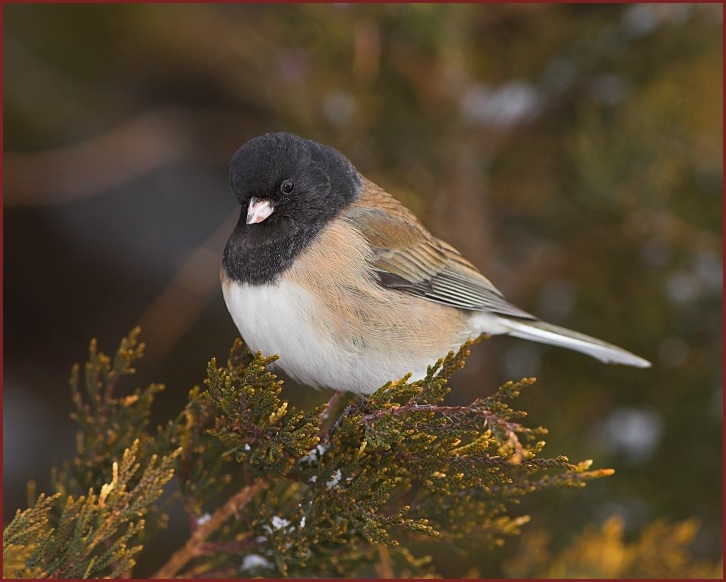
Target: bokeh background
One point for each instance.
(572, 152)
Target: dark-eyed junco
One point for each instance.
(330, 272)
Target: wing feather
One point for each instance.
(409, 259)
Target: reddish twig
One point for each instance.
(195, 545)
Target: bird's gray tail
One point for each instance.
(541, 331)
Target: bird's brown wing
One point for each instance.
(408, 258)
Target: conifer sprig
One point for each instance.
(270, 490)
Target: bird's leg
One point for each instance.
(337, 395)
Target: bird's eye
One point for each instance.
(287, 186)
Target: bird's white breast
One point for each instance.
(280, 319)
(274, 320)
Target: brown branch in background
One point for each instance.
(384, 567)
(186, 295)
(152, 140)
(195, 544)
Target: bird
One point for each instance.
(339, 279)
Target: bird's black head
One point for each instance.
(289, 188)
(287, 184)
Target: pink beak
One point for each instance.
(258, 210)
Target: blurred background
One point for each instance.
(572, 152)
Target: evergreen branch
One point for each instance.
(395, 467)
(457, 413)
(195, 545)
(94, 532)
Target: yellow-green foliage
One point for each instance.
(393, 466)
(87, 536)
(271, 490)
(662, 550)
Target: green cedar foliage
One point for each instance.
(88, 536)
(103, 508)
(274, 491)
